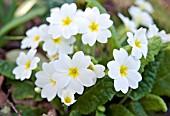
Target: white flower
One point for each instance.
(98, 69)
(33, 38)
(26, 63)
(129, 24)
(62, 21)
(68, 97)
(124, 71)
(165, 37)
(139, 43)
(94, 26)
(73, 74)
(45, 81)
(154, 31)
(140, 17)
(57, 45)
(144, 5)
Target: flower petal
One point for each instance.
(120, 55)
(89, 38)
(132, 63)
(121, 84)
(103, 35)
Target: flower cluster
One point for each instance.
(64, 76)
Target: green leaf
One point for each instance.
(29, 111)
(161, 86)
(136, 108)
(154, 46)
(21, 20)
(118, 110)
(6, 69)
(74, 113)
(22, 90)
(97, 95)
(153, 102)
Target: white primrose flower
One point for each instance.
(94, 26)
(33, 38)
(57, 45)
(140, 17)
(98, 69)
(124, 71)
(45, 81)
(154, 31)
(139, 43)
(73, 74)
(129, 24)
(62, 21)
(144, 5)
(68, 97)
(26, 63)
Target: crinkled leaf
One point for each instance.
(118, 110)
(22, 90)
(74, 113)
(136, 108)
(97, 95)
(6, 68)
(161, 86)
(148, 79)
(154, 47)
(153, 102)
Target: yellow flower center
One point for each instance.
(73, 72)
(123, 70)
(94, 27)
(91, 67)
(67, 99)
(66, 21)
(138, 43)
(53, 82)
(36, 38)
(27, 65)
(57, 40)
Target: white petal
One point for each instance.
(99, 70)
(26, 74)
(104, 21)
(42, 79)
(49, 92)
(62, 79)
(34, 63)
(132, 63)
(68, 10)
(103, 35)
(120, 56)
(132, 83)
(121, 84)
(68, 31)
(89, 38)
(135, 75)
(22, 59)
(75, 86)
(144, 50)
(31, 53)
(55, 30)
(114, 67)
(83, 24)
(80, 60)
(48, 68)
(86, 77)
(136, 53)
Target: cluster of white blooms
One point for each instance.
(64, 76)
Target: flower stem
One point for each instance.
(125, 98)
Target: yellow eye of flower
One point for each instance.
(67, 99)
(66, 21)
(94, 27)
(53, 82)
(57, 40)
(27, 65)
(36, 38)
(123, 70)
(138, 43)
(73, 72)
(54, 56)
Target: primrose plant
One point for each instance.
(70, 70)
